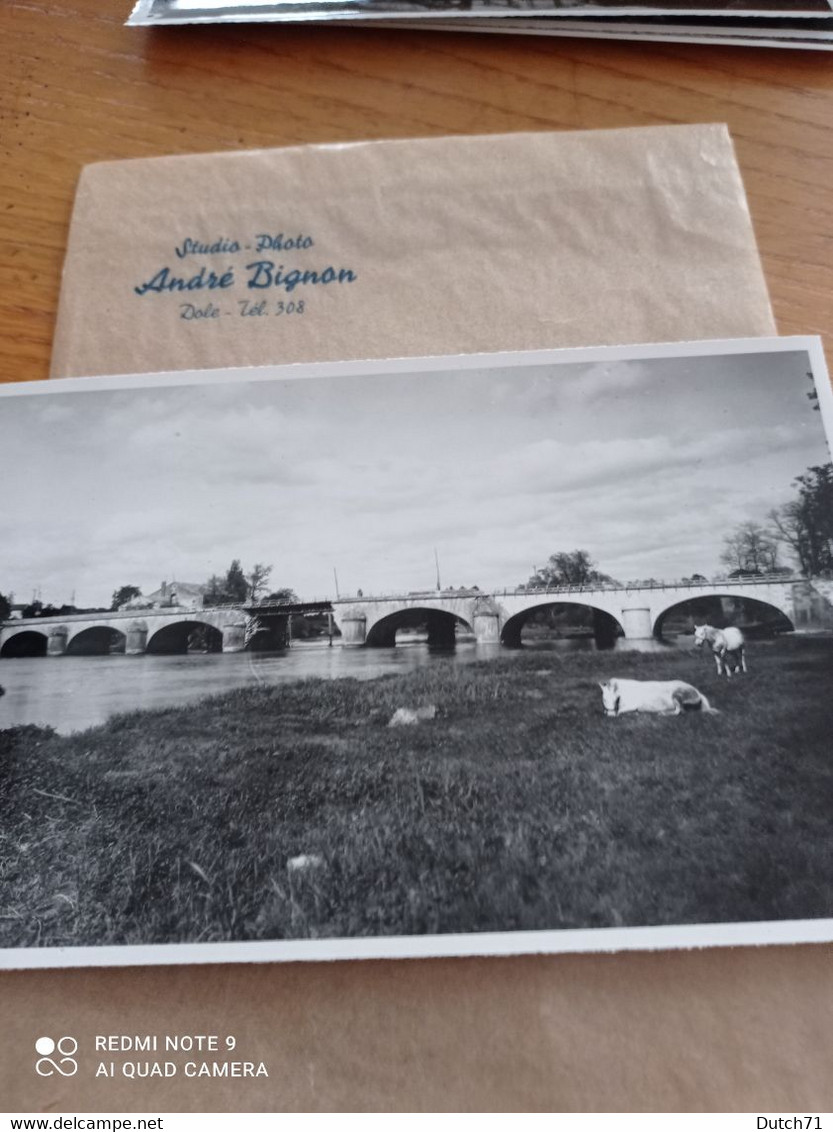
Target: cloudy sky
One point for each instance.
(645, 464)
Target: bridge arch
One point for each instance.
(96, 640)
(28, 642)
(606, 628)
(190, 635)
(441, 625)
(268, 636)
(723, 608)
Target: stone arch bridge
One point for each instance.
(133, 632)
(637, 612)
(497, 617)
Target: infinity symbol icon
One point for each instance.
(66, 1065)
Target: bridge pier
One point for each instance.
(137, 638)
(637, 624)
(441, 634)
(57, 640)
(234, 637)
(353, 629)
(486, 625)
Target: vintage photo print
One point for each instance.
(148, 12)
(808, 35)
(461, 655)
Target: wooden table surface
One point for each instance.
(77, 87)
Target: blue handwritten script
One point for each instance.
(196, 247)
(259, 275)
(264, 273)
(164, 281)
(190, 311)
(264, 242)
(282, 243)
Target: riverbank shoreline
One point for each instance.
(74, 693)
(518, 806)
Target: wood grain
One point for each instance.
(76, 86)
(725, 1030)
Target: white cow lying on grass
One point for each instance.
(662, 697)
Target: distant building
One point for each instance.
(170, 595)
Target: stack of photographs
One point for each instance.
(806, 24)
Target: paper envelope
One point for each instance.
(398, 248)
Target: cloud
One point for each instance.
(548, 464)
(496, 470)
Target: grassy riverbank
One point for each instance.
(519, 806)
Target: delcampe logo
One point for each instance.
(63, 1062)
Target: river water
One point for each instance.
(71, 693)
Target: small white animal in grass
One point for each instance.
(303, 862)
(405, 717)
(660, 697)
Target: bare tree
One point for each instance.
(257, 579)
(805, 524)
(790, 530)
(751, 549)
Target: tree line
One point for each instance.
(235, 586)
(232, 588)
(36, 608)
(801, 529)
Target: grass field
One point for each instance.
(519, 806)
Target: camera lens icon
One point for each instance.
(64, 1063)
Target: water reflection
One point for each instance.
(73, 693)
(588, 644)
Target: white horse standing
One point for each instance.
(728, 646)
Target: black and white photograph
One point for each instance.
(150, 12)
(804, 34)
(462, 655)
